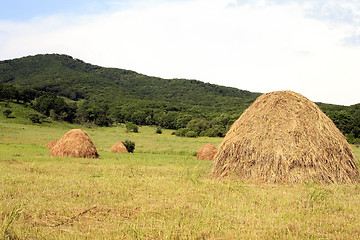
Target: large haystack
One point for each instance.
(119, 147)
(206, 152)
(284, 137)
(75, 143)
(51, 144)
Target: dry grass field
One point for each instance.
(159, 192)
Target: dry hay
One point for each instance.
(206, 152)
(75, 143)
(119, 147)
(51, 144)
(284, 137)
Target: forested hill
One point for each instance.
(123, 95)
(106, 95)
(74, 79)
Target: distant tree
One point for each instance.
(191, 134)
(215, 131)
(53, 115)
(118, 115)
(183, 120)
(99, 115)
(198, 125)
(181, 132)
(35, 118)
(82, 115)
(8, 92)
(343, 120)
(168, 120)
(138, 117)
(28, 95)
(132, 127)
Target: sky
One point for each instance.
(307, 46)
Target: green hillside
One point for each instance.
(75, 79)
(96, 95)
(107, 95)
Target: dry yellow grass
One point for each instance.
(155, 195)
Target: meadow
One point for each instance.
(159, 192)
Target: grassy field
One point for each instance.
(159, 192)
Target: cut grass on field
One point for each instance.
(159, 192)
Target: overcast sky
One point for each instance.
(309, 46)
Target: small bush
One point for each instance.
(7, 113)
(34, 118)
(130, 145)
(191, 134)
(214, 132)
(158, 130)
(5, 104)
(181, 132)
(132, 127)
(136, 129)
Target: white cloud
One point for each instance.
(258, 48)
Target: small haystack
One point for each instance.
(206, 152)
(75, 143)
(284, 137)
(119, 147)
(51, 144)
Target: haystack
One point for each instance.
(284, 137)
(75, 143)
(119, 147)
(206, 152)
(51, 144)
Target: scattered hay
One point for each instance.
(206, 152)
(75, 143)
(51, 144)
(119, 147)
(284, 137)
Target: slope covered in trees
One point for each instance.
(106, 95)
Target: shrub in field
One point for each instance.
(7, 113)
(158, 130)
(130, 145)
(181, 132)
(132, 127)
(35, 118)
(191, 134)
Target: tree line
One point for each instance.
(184, 122)
(166, 116)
